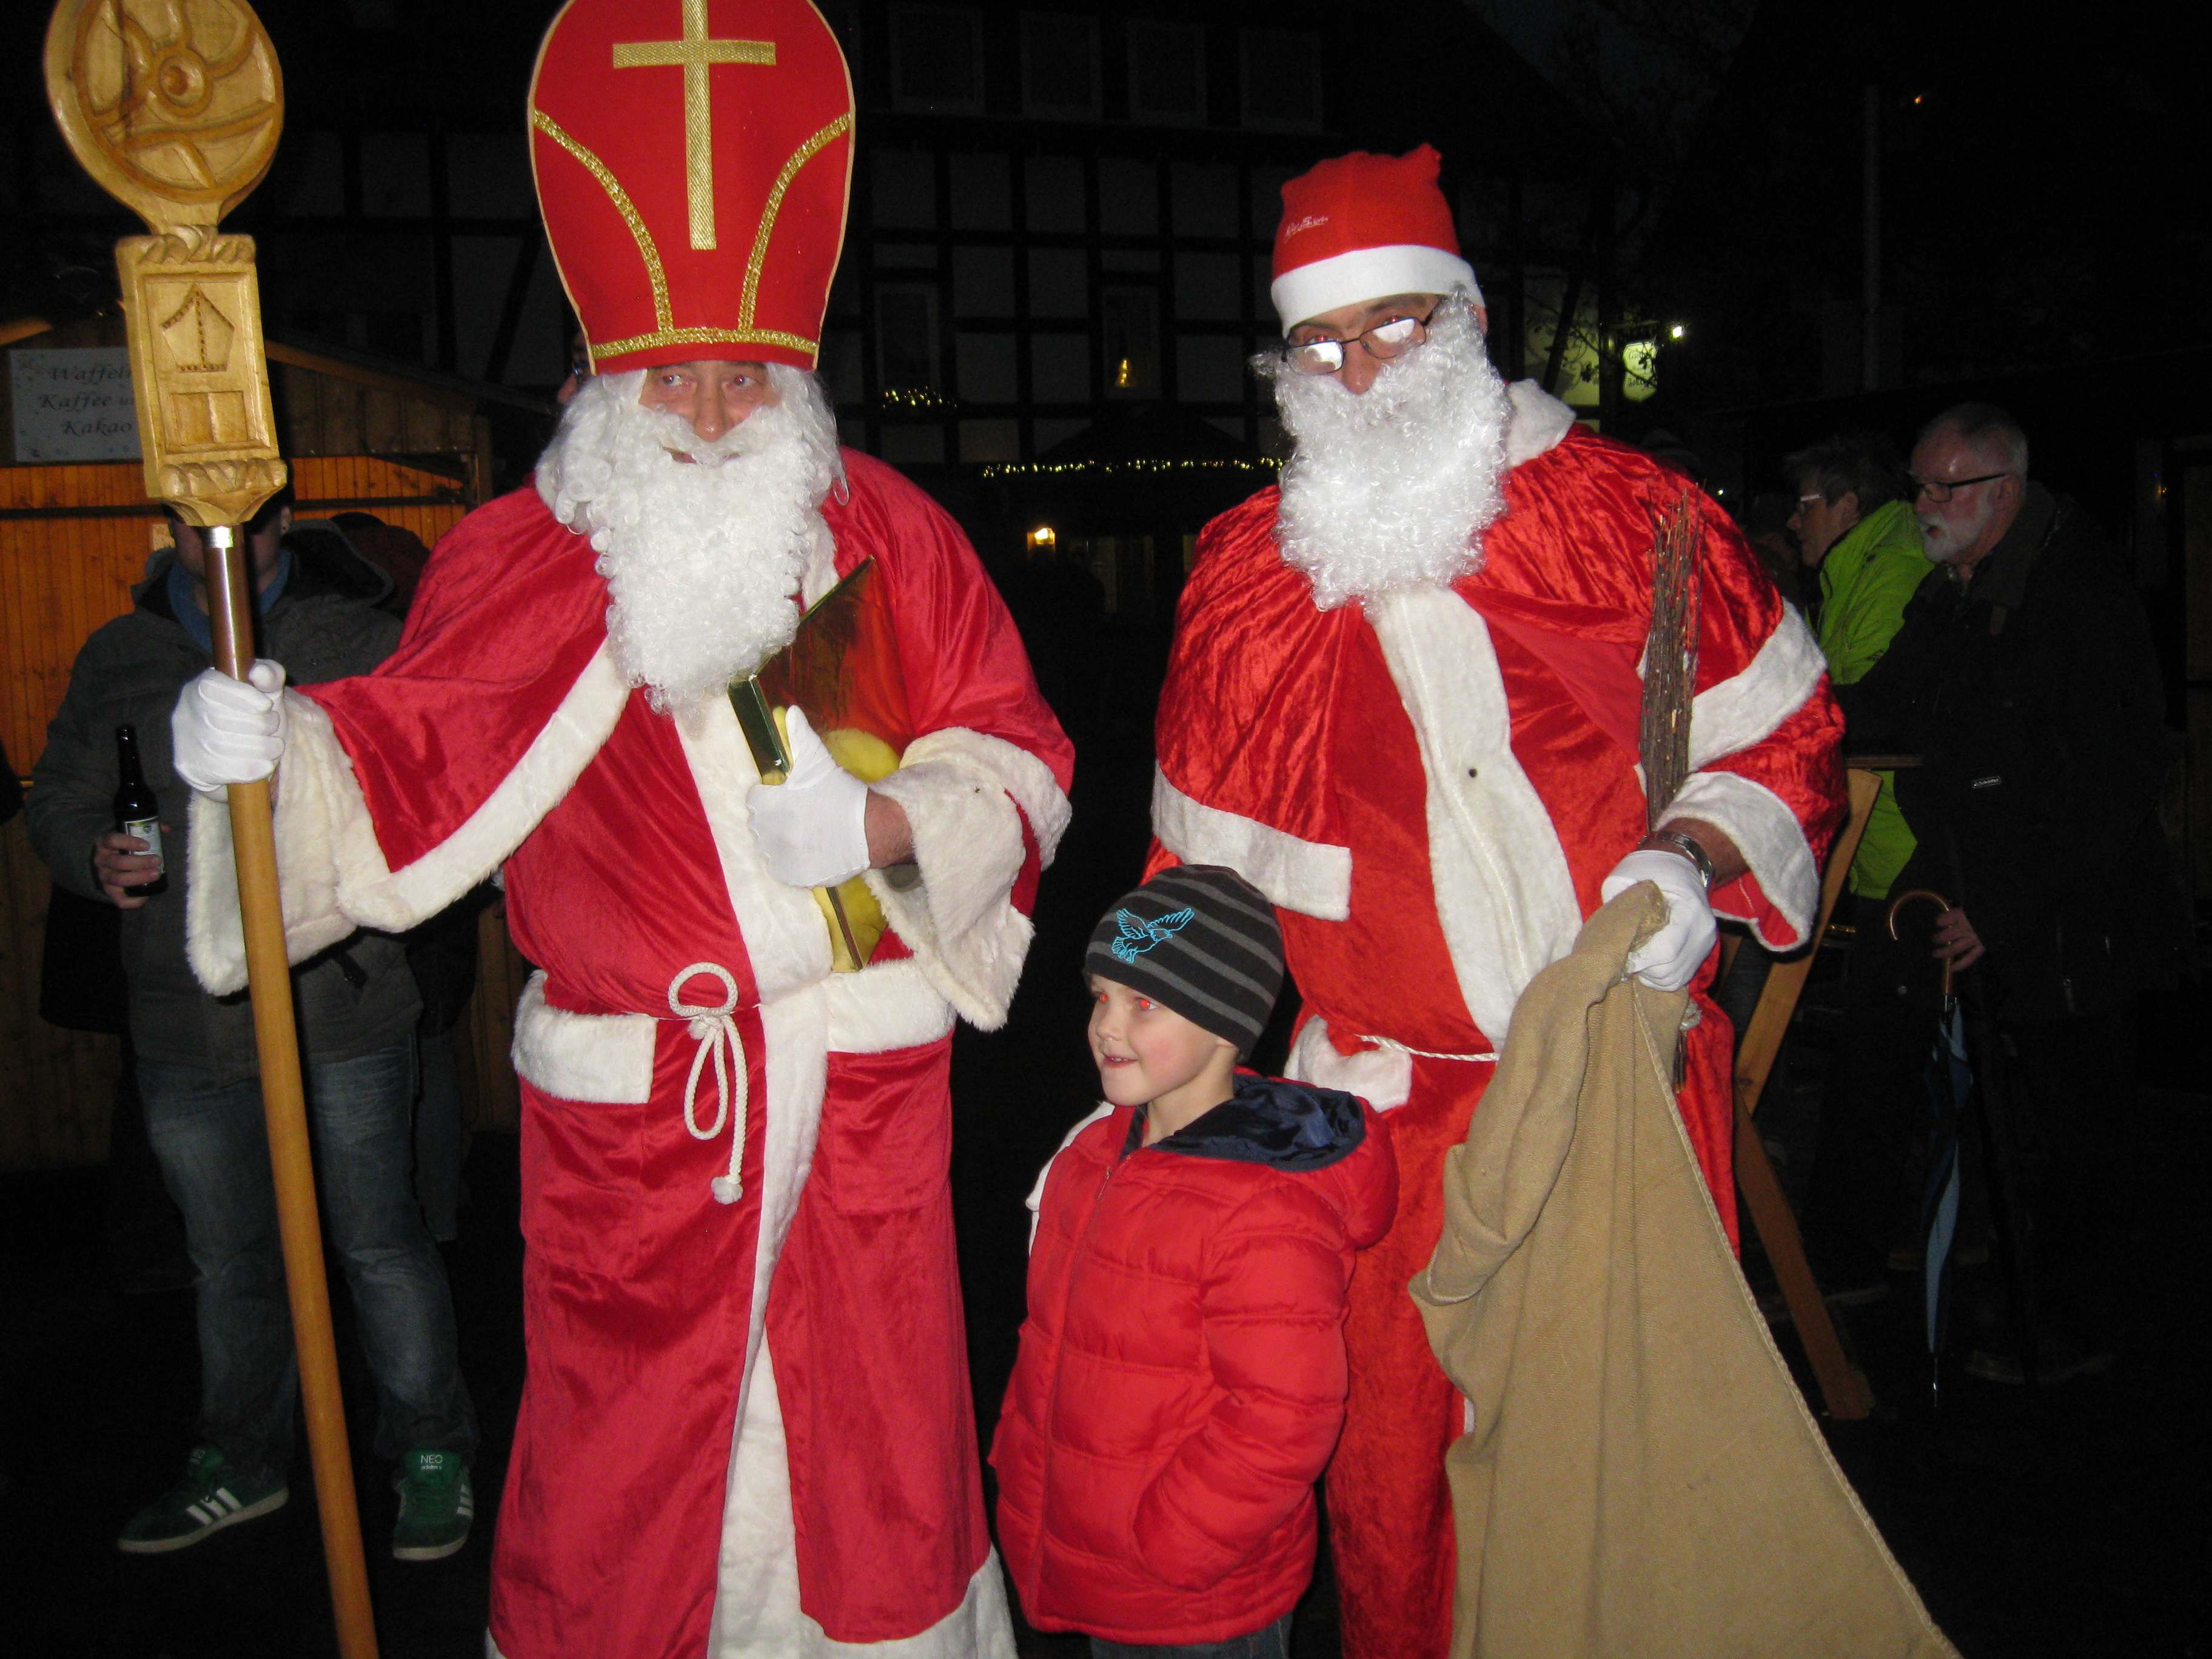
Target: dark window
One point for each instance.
(1282, 80)
(1131, 333)
(1059, 66)
(1054, 187)
(1167, 72)
(937, 60)
(906, 336)
(906, 189)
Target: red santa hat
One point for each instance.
(1364, 227)
(693, 160)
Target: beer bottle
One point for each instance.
(137, 813)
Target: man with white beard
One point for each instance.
(1403, 702)
(747, 1427)
(2025, 678)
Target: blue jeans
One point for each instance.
(214, 1154)
(1271, 1642)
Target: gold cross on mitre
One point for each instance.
(693, 54)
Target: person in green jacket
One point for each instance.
(1854, 527)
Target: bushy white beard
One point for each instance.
(1392, 488)
(703, 560)
(1944, 539)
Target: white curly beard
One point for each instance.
(703, 560)
(1392, 488)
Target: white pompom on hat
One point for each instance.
(1363, 227)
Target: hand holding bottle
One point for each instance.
(121, 861)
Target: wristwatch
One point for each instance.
(1678, 840)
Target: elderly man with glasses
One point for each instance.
(2028, 684)
(1403, 702)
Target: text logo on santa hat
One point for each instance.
(1360, 228)
(692, 160)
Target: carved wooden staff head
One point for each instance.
(174, 108)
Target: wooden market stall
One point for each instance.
(412, 447)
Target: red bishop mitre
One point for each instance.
(692, 160)
(1361, 227)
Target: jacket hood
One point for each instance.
(1303, 1131)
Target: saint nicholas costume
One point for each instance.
(1431, 784)
(747, 1427)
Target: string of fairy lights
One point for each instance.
(1122, 468)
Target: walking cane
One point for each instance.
(175, 111)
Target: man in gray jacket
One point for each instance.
(357, 1004)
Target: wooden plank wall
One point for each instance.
(60, 578)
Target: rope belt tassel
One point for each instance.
(716, 1033)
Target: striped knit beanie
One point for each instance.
(1200, 939)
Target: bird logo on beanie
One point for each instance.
(1135, 928)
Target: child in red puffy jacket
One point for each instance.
(1182, 1375)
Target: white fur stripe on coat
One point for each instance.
(966, 795)
(1309, 877)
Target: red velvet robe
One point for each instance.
(1432, 788)
(668, 1496)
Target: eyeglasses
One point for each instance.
(1808, 500)
(1383, 342)
(1940, 490)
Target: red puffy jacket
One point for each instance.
(1181, 1377)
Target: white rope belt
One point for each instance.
(716, 1034)
(1396, 1046)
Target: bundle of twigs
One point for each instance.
(1670, 652)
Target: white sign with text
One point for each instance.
(73, 405)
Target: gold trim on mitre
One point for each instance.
(799, 157)
(664, 332)
(655, 274)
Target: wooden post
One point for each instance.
(175, 112)
(1844, 1387)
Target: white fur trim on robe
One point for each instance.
(787, 941)
(966, 795)
(329, 866)
(1537, 421)
(756, 1613)
(1505, 899)
(1382, 1076)
(1729, 717)
(608, 1057)
(1771, 841)
(1309, 877)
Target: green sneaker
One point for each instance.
(212, 1495)
(436, 1506)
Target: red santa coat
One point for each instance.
(1432, 788)
(669, 1495)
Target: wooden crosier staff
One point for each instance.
(174, 110)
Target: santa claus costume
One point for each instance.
(747, 1427)
(1424, 752)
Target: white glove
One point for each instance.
(812, 828)
(1668, 960)
(226, 731)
